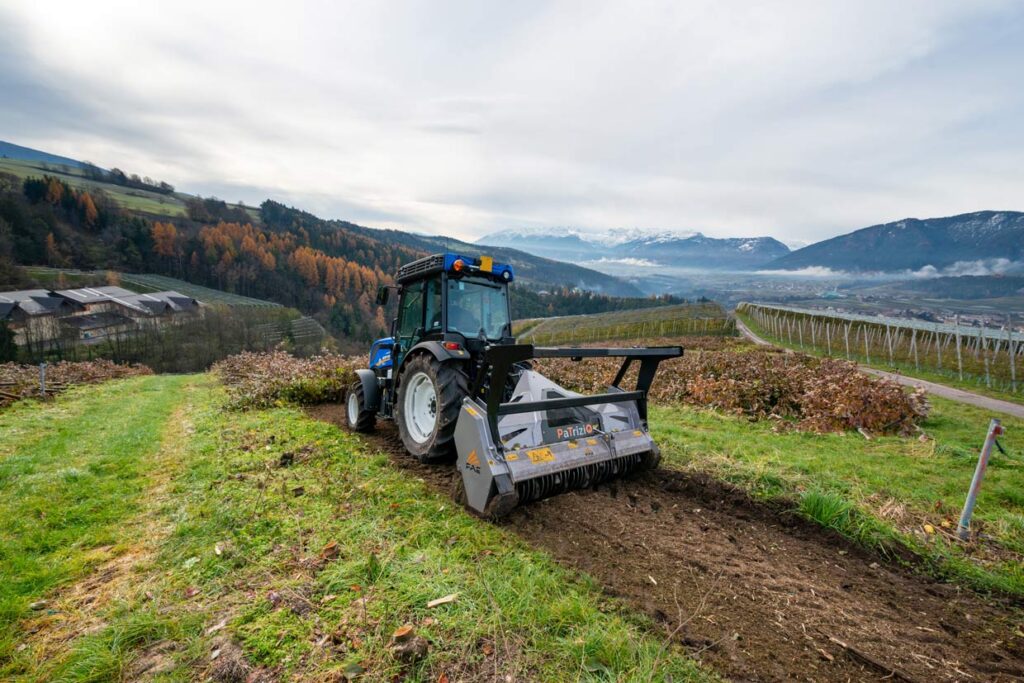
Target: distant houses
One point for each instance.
(88, 315)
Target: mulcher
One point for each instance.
(456, 383)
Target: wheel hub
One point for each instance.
(420, 407)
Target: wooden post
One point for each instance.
(913, 348)
(1011, 347)
(867, 353)
(846, 336)
(960, 357)
(828, 337)
(888, 339)
(800, 328)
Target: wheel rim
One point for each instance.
(353, 408)
(420, 407)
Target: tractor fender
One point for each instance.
(437, 350)
(371, 390)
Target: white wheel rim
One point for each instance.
(420, 407)
(353, 408)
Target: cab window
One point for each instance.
(433, 303)
(410, 310)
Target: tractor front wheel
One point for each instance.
(360, 418)
(430, 397)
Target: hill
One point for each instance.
(12, 151)
(913, 244)
(90, 219)
(674, 248)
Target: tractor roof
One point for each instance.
(454, 263)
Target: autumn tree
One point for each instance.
(88, 208)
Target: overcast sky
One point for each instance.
(797, 119)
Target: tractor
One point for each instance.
(458, 386)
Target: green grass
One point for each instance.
(879, 492)
(973, 383)
(70, 473)
(242, 540)
(127, 197)
(659, 321)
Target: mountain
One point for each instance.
(12, 151)
(670, 248)
(536, 270)
(913, 244)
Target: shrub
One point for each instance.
(819, 395)
(256, 380)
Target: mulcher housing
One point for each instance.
(456, 383)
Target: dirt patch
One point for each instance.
(754, 592)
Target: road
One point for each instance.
(986, 402)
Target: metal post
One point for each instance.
(42, 379)
(963, 529)
(1012, 350)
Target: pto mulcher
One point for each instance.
(456, 383)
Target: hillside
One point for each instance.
(913, 244)
(674, 248)
(92, 219)
(12, 151)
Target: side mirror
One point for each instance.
(383, 293)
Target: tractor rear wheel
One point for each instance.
(360, 418)
(430, 397)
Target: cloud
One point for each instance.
(995, 266)
(627, 261)
(799, 119)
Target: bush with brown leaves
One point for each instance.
(22, 381)
(257, 380)
(807, 393)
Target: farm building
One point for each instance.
(34, 314)
(90, 314)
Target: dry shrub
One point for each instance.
(256, 380)
(812, 394)
(22, 381)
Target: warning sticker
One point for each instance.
(539, 455)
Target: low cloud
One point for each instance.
(996, 266)
(627, 261)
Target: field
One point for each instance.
(987, 359)
(130, 198)
(662, 321)
(143, 283)
(198, 540)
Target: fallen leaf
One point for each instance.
(330, 551)
(216, 627)
(929, 529)
(443, 601)
(443, 678)
(487, 649)
(218, 549)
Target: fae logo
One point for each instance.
(473, 461)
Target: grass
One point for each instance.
(236, 556)
(881, 492)
(971, 382)
(659, 321)
(70, 473)
(129, 198)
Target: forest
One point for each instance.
(329, 270)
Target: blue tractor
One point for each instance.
(458, 386)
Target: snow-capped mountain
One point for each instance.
(677, 248)
(913, 244)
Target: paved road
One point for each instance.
(986, 402)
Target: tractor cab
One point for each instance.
(459, 302)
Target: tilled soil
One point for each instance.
(755, 592)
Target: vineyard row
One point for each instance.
(985, 355)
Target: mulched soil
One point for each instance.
(753, 591)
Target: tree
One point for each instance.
(89, 213)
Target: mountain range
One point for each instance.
(954, 245)
(684, 249)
